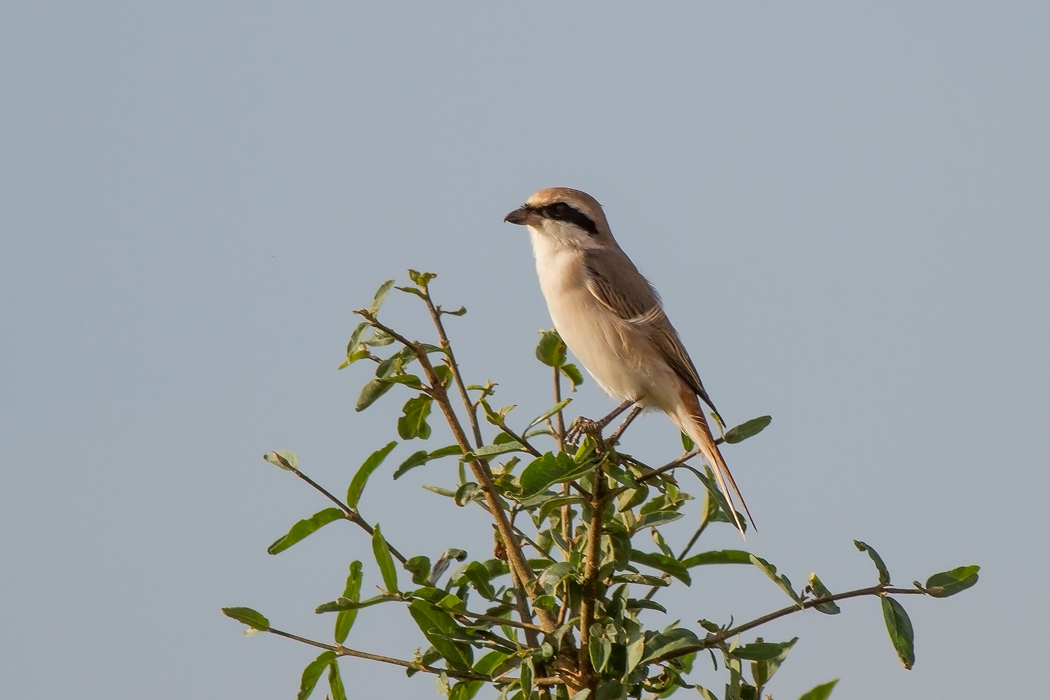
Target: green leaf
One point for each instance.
(436, 624)
(657, 519)
(548, 413)
(465, 690)
(447, 451)
(551, 469)
(574, 375)
(601, 650)
(357, 485)
(414, 460)
(421, 457)
(493, 450)
(780, 579)
(340, 604)
(419, 567)
(335, 683)
(444, 374)
(526, 676)
(409, 380)
(715, 494)
(662, 562)
(762, 670)
(951, 582)
(249, 617)
(749, 429)
(642, 604)
(478, 575)
(411, 290)
(380, 296)
(821, 591)
(762, 651)
(468, 492)
(884, 574)
(355, 340)
(345, 619)
(398, 360)
(378, 339)
(901, 633)
(668, 642)
(370, 392)
(421, 278)
(413, 423)
(352, 358)
(687, 442)
(723, 556)
(551, 349)
(385, 561)
(490, 662)
(461, 311)
(554, 503)
(504, 438)
(313, 672)
(554, 575)
(821, 692)
(304, 528)
(285, 459)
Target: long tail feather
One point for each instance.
(692, 422)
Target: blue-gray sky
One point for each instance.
(845, 207)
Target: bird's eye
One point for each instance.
(560, 209)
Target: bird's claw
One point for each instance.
(583, 426)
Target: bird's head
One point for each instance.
(566, 216)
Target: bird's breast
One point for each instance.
(616, 353)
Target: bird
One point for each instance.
(612, 319)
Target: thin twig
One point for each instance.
(349, 513)
(696, 536)
(520, 439)
(518, 531)
(615, 437)
(559, 434)
(716, 639)
(497, 620)
(472, 411)
(652, 473)
(340, 650)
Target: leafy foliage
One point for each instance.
(564, 606)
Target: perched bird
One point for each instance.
(611, 318)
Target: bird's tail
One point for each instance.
(690, 419)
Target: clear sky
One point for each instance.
(846, 208)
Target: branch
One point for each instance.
(590, 573)
(652, 473)
(340, 650)
(716, 639)
(472, 412)
(615, 437)
(482, 472)
(496, 620)
(520, 439)
(559, 434)
(349, 513)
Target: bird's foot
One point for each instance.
(584, 426)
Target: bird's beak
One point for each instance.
(521, 216)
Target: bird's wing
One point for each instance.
(633, 299)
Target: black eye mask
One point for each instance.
(561, 211)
